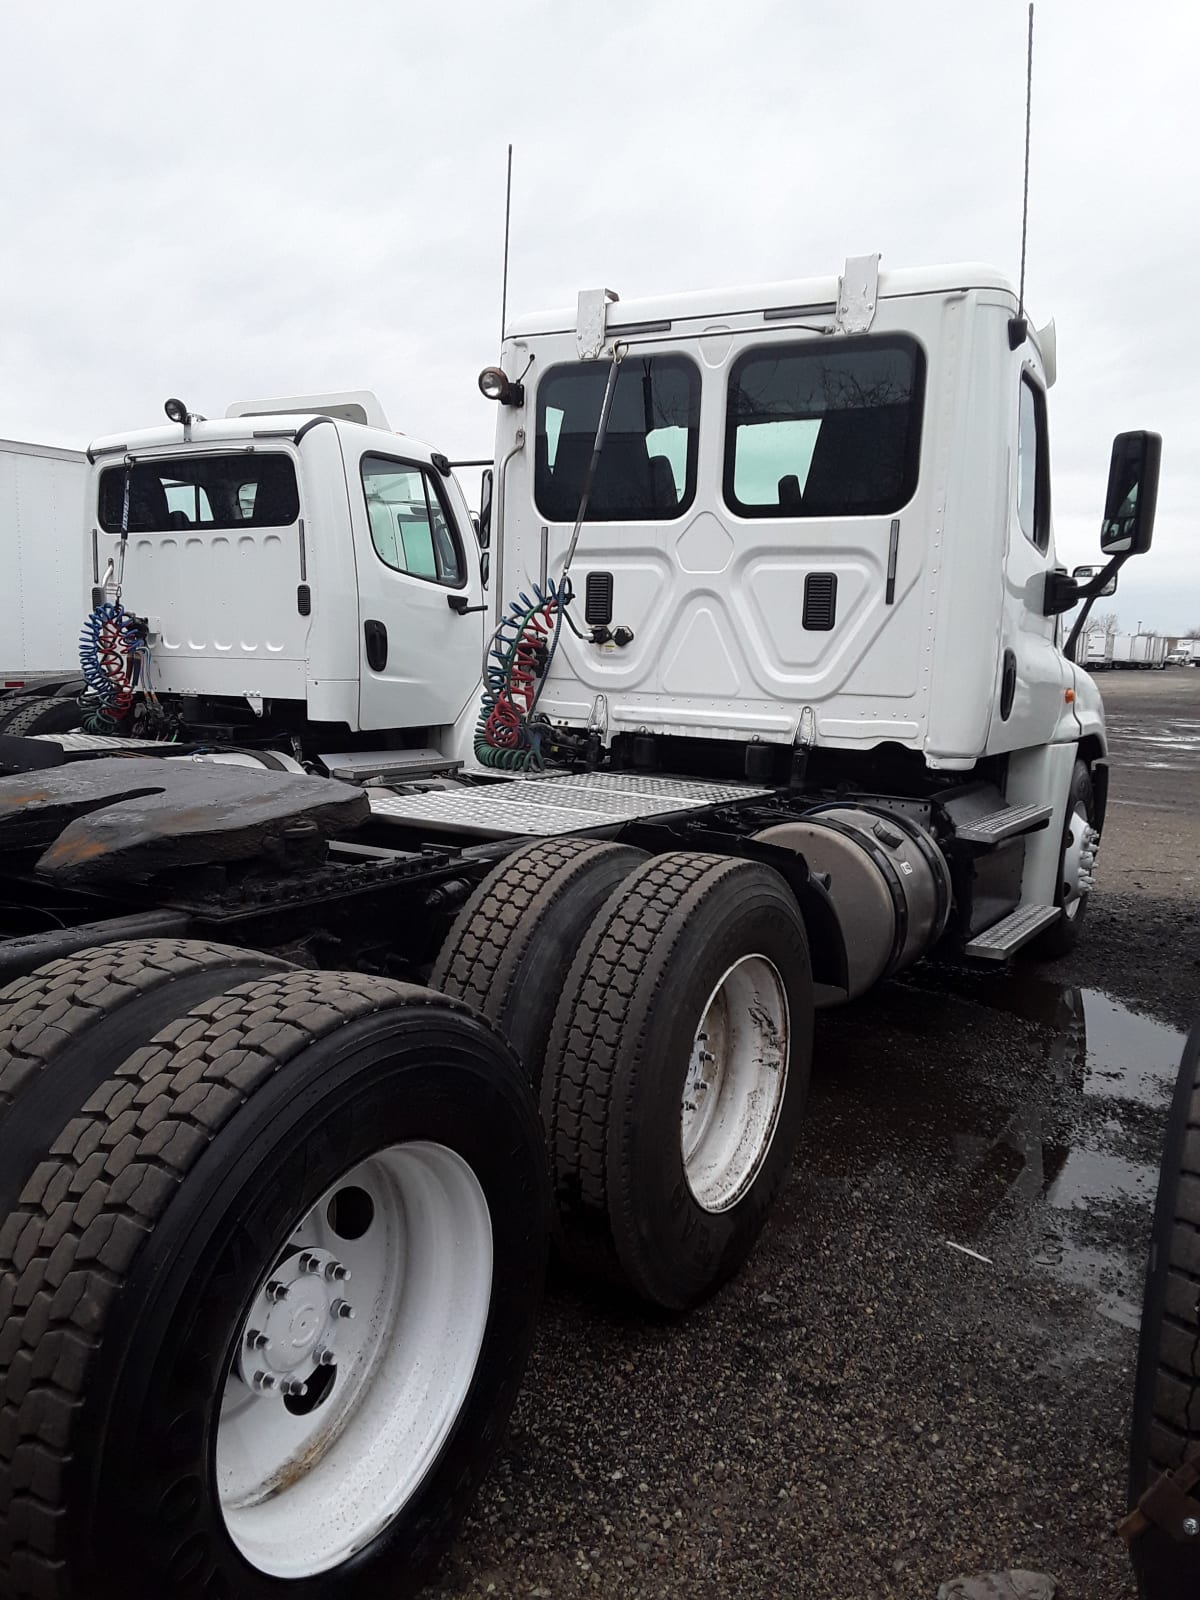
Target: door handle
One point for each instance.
(458, 604)
(375, 640)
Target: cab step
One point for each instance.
(1011, 932)
(1006, 823)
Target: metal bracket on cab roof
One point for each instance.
(591, 321)
(858, 290)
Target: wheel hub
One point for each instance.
(734, 1086)
(1079, 862)
(291, 1328)
(328, 1421)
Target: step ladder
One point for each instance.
(1006, 823)
(999, 941)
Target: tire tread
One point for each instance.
(609, 994)
(68, 1247)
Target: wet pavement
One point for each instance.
(926, 1367)
(1048, 1156)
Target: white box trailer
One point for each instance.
(1122, 650)
(43, 496)
(1147, 650)
(1097, 649)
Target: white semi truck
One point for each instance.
(328, 953)
(43, 508)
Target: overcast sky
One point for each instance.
(228, 200)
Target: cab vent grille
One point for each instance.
(598, 599)
(820, 600)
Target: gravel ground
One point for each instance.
(867, 1410)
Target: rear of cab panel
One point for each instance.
(716, 592)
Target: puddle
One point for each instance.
(1025, 1116)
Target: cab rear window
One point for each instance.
(244, 489)
(824, 429)
(647, 469)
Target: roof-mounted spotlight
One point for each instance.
(178, 412)
(493, 385)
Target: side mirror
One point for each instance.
(484, 526)
(1132, 494)
(1086, 574)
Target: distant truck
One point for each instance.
(1097, 651)
(43, 500)
(1149, 650)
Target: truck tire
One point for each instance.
(188, 1404)
(43, 715)
(1166, 1409)
(514, 938)
(1166, 1402)
(71, 1024)
(1061, 937)
(666, 1154)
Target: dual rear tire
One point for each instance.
(26, 715)
(668, 1030)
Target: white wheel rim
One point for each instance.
(300, 1493)
(1079, 857)
(735, 1083)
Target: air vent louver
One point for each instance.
(820, 600)
(598, 599)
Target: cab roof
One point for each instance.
(809, 293)
(245, 430)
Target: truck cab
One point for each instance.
(818, 546)
(300, 569)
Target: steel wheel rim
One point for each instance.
(736, 1078)
(1079, 855)
(301, 1490)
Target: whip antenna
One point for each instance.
(1017, 327)
(507, 216)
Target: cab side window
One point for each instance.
(411, 529)
(1033, 466)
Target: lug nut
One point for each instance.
(336, 1272)
(1191, 1527)
(263, 1380)
(276, 1290)
(324, 1356)
(256, 1340)
(308, 1263)
(342, 1309)
(293, 1386)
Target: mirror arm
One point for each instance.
(1087, 593)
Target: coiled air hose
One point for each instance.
(110, 644)
(522, 648)
(519, 658)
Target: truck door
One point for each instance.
(418, 576)
(1032, 672)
